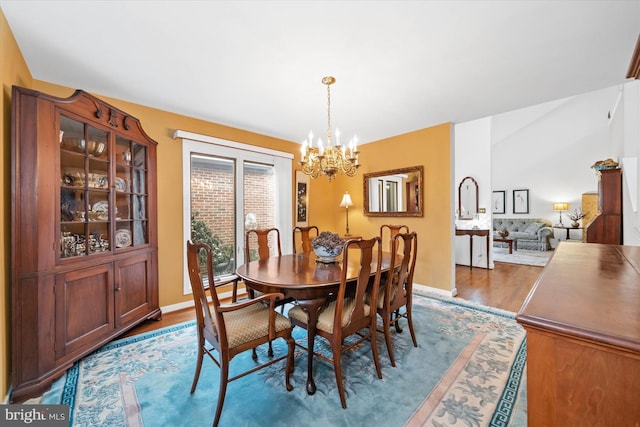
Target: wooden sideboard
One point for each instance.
(582, 320)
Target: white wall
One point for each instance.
(549, 149)
(473, 158)
(628, 113)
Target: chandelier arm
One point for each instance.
(329, 114)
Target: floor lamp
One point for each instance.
(345, 203)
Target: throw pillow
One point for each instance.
(533, 227)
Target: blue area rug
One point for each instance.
(468, 370)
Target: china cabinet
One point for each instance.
(84, 232)
(606, 227)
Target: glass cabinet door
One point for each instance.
(84, 189)
(130, 195)
(103, 190)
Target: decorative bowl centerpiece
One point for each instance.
(503, 233)
(604, 165)
(327, 246)
(576, 216)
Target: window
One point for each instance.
(225, 184)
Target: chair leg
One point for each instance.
(374, 347)
(254, 354)
(397, 321)
(289, 367)
(270, 352)
(198, 368)
(224, 379)
(337, 369)
(387, 338)
(410, 322)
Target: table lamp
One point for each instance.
(345, 203)
(561, 207)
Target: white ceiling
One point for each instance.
(400, 65)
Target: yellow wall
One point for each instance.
(160, 125)
(13, 70)
(429, 147)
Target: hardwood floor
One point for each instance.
(504, 287)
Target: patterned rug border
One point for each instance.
(509, 396)
(465, 303)
(501, 416)
(72, 375)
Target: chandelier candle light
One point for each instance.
(332, 159)
(346, 203)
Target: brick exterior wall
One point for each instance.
(213, 197)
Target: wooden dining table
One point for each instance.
(310, 282)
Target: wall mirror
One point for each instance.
(396, 192)
(467, 198)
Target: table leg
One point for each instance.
(487, 237)
(311, 307)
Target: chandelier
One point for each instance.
(332, 159)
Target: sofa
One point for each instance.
(531, 233)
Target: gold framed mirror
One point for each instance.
(395, 192)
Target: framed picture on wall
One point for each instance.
(520, 201)
(498, 204)
(302, 199)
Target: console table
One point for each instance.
(474, 232)
(563, 227)
(582, 320)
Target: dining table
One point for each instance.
(308, 281)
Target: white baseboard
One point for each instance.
(187, 304)
(429, 289)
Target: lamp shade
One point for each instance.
(561, 206)
(346, 201)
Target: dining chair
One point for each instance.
(348, 314)
(396, 289)
(306, 235)
(232, 328)
(265, 239)
(387, 231)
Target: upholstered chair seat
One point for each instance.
(326, 316)
(250, 323)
